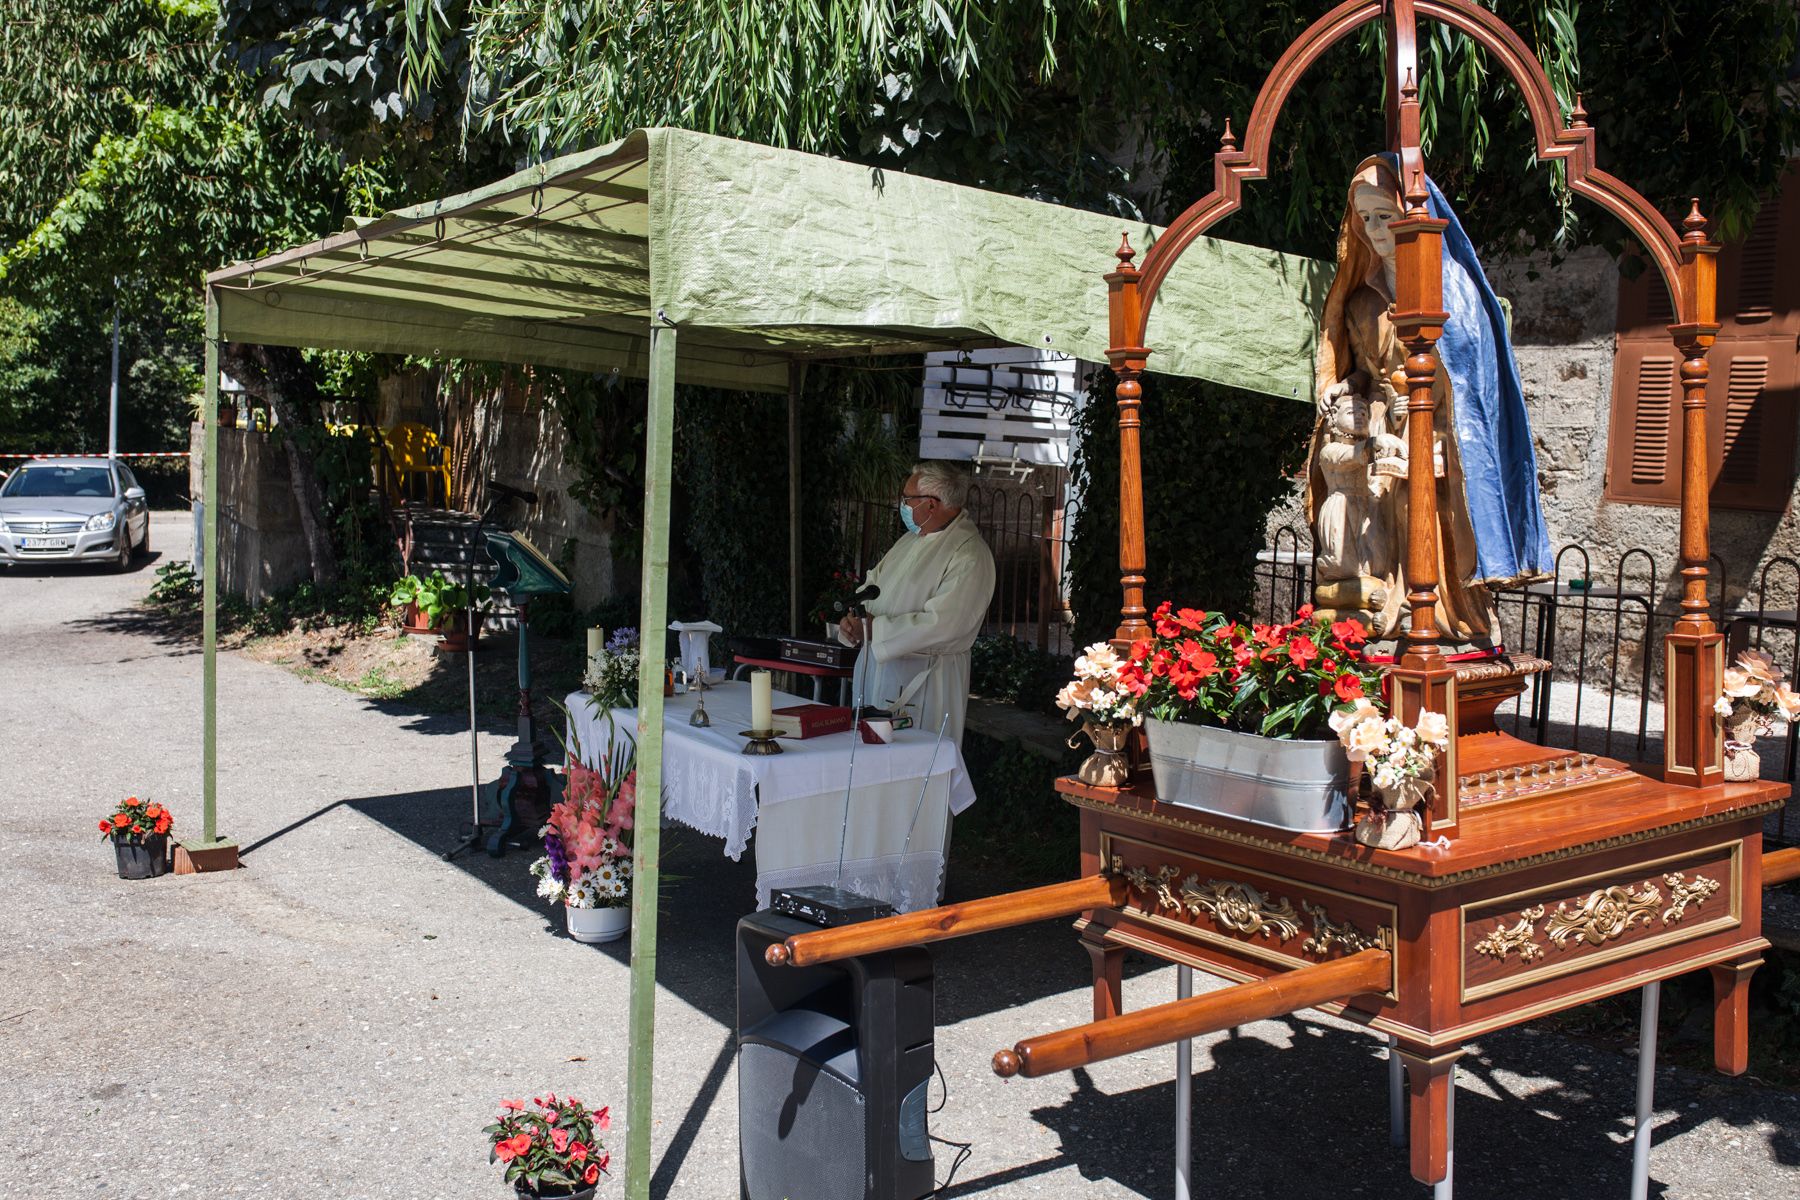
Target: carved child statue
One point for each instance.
(1491, 531)
(1348, 562)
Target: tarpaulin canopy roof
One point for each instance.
(751, 259)
(758, 255)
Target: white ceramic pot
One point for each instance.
(597, 924)
(1303, 786)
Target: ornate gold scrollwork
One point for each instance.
(1329, 935)
(1518, 937)
(1156, 885)
(1240, 908)
(1683, 893)
(1606, 914)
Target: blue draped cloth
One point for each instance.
(1493, 435)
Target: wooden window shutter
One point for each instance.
(1753, 409)
(1643, 452)
(1752, 414)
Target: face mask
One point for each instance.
(906, 518)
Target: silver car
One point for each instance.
(73, 510)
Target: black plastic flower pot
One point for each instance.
(142, 858)
(584, 1193)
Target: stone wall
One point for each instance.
(1563, 330)
(262, 550)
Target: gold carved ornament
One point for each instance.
(1244, 909)
(1502, 939)
(1683, 893)
(1240, 908)
(1604, 915)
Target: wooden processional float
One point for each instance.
(1519, 901)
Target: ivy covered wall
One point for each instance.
(1215, 460)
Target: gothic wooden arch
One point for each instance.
(1572, 144)
(1421, 679)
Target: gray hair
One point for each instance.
(948, 481)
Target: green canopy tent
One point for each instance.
(752, 260)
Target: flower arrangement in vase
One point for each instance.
(1238, 714)
(587, 865)
(612, 675)
(1400, 763)
(139, 832)
(550, 1148)
(1274, 681)
(1108, 712)
(1755, 696)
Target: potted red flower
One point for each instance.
(1238, 715)
(551, 1147)
(139, 832)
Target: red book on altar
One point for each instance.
(811, 720)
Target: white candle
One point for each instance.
(762, 700)
(596, 642)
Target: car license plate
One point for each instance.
(45, 543)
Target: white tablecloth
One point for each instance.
(795, 801)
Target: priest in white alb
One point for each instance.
(935, 585)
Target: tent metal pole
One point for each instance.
(209, 574)
(796, 381)
(653, 618)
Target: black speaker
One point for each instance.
(833, 1066)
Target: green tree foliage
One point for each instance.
(1214, 461)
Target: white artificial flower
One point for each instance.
(1787, 703)
(1433, 729)
(1365, 739)
(1386, 778)
(1740, 684)
(1722, 706)
(1341, 719)
(1098, 661)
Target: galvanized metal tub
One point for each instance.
(1301, 786)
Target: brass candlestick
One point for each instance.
(762, 741)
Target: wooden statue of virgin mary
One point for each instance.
(1491, 531)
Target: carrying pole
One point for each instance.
(796, 382)
(653, 617)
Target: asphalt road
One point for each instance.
(338, 1018)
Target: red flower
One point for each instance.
(1271, 635)
(1350, 632)
(1201, 662)
(578, 1151)
(1159, 665)
(603, 1119)
(1348, 687)
(1140, 650)
(512, 1106)
(1302, 651)
(512, 1147)
(592, 1174)
(1191, 618)
(559, 1140)
(1242, 652)
(106, 826)
(1329, 666)
(1304, 614)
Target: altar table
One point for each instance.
(794, 801)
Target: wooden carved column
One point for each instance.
(1124, 310)
(1694, 749)
(1421, 680)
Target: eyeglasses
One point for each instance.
(912, 497)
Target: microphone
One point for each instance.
(862, 597)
